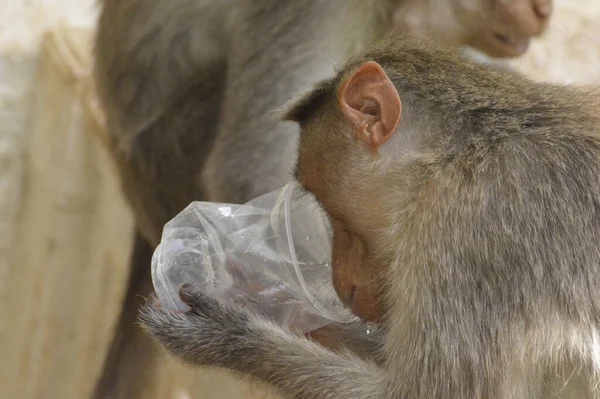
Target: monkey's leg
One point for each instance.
(160, 76)
(159, 177)
(159, 173)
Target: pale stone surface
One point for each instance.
(22, 24)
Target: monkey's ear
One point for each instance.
(371, 103)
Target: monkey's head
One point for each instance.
(355, 120)
(344, 123)
(499, 28)
(369, 136)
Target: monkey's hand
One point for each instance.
(220, 334)
(203, 334)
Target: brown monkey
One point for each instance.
(465, 205)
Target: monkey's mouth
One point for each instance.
(510, 47)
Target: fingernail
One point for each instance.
(153, 299)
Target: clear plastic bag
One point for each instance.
(270, 255)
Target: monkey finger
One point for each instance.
(197, 301)
(208, 308)
(153, 300)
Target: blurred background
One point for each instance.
(65, 229)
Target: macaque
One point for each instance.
(465, 208)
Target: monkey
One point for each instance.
(186, 87)
(465, 209)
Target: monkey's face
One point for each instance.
(356, 273)
(499, 28)
(323, 169)
(357, 276)
(339, 148)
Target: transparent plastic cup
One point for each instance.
(271, 255)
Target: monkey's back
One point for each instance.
(514, 211)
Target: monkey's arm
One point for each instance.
(216, 334)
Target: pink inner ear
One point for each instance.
(369, 98)
(370, 109)
(355, 91)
